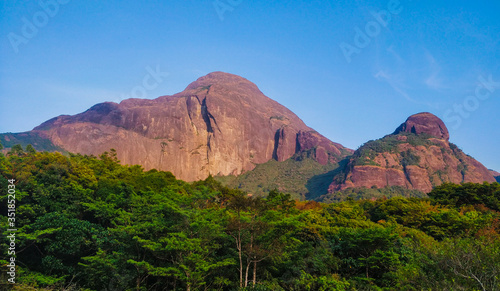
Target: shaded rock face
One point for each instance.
(323, 150)
(496, 175)
(220, 124)
(416, 156)
(424, 123)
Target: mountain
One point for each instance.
(221, 124)
(496, 175)
(417, 156)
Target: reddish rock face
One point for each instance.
(324, 151)
(220, 124)
(413, 161)
(424, 123)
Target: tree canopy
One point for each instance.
(89, 223)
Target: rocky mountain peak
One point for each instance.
(425, 122)
(225, 80)
(417, 161)
(221, 124)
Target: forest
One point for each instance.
(90, 223)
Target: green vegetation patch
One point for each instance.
(302, 177)
(8, 140)
(88, 223)
(370, 193)
(409, 158)
(388, 144)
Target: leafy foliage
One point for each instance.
(303, 178)
(88, 223)
(366, 153)
(24, 139)
(408, 158)
(468, 194)
(370, 193)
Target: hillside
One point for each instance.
(8, 140)
(220, 124)
(417, 156)
(302, 177)
(91, 224)
(496, 175)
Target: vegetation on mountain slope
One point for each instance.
(89, 223)
(408, 160)
(370, 194)
(367, 153)
(302, 177)
(8, 140)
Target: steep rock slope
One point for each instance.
(496, 175)
(220, 124)
(418, 155)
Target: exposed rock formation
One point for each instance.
(496, 175)
(424, 123)
(220, 124)
(417, 156)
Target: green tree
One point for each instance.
(255, 236)
(371, 252)
(280, 201)
(16, 150)
(475, 260)
(30, 149)
(321, 283)
(55, 243)
(190, 250)
(453, 264)
(468, 194)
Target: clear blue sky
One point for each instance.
(419, 56)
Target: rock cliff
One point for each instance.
(496, 175)
(418, 155)
(221, 124)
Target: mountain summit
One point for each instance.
(221, 124)
(424, 123)
(416, 156)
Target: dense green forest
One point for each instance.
(89, 223)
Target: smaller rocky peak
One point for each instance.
(425, 122)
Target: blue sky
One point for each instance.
(352, 70)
